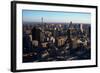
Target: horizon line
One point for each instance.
(59, 22)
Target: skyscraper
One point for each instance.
(35, 34)
(81, 27)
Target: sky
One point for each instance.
(57, 17)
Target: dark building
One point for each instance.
(27, 45)
(70, 25)
(36, 34)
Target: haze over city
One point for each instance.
(55, 17)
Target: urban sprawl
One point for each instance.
(44, 42)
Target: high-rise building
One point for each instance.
(81, 27)
(70, 25)
(60, 41)
(37, 34)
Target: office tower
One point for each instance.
(36, 34)
(60, 41)
(81, 27)
(42, 20)
(70, 25)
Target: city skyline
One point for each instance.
(57, 17)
